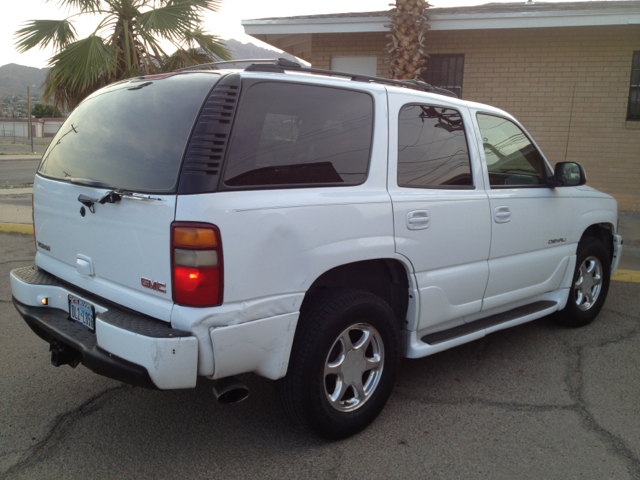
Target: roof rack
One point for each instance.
(281, 65)
(228, 62)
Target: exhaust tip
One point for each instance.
(230, 390)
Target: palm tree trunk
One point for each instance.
(407, 47)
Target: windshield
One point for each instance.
(130, 135)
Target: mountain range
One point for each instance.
(15, 78)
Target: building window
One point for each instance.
(445, 71)
(633, 113)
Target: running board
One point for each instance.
(484, 323)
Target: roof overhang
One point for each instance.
(293, 34)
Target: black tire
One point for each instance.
(578, 311)
(319, 341)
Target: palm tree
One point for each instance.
(126, 43)
(407, 48)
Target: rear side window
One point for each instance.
(292, 135)
(432, 148)
(130, 135)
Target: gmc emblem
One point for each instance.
(157, 286)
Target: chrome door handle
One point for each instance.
(418, 220)
(501, 214)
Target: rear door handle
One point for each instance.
(418, 220)
(501, 214)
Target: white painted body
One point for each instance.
(464, 266)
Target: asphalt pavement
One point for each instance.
(535, 401)
(18, 169)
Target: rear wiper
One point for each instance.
(87, 182)
(112, 196)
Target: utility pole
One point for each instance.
(29, 113)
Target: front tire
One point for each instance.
(590, 284)
(343, 363)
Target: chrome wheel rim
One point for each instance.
(353, 367)
(588, 283)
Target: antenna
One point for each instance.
(573, 97)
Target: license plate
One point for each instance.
(82, 312)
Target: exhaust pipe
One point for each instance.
(230, 390)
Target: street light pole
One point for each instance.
(29, 112)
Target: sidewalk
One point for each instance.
(15, 210)
(13, 158)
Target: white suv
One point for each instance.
(303, 225)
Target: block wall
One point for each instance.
(536, 75)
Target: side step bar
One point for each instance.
(483, 323)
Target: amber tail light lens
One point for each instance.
(196, 264)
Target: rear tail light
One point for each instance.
(196, 264)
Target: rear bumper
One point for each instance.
(125, 346)
(54, 326)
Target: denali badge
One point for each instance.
(44, 247)
(160, 287)
(557, 240)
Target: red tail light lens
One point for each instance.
(196, 261)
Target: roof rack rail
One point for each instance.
(282, 65)
(227, 62)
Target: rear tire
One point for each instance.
(590, 284)
(343, 363)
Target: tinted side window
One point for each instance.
(432, 148)
(512, 160)
(296, 135)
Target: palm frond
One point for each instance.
(199, 5)
(182, 58)
(60, 33)
(170, 21)
(131, 73)
(79, 69)
(82, 5)
(210, 44)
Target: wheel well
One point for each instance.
(602, 232)
(385, 278)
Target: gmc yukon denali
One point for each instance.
(307, 226)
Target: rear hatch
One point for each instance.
(128, 138)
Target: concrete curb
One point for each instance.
(626, 276)
(24, 228)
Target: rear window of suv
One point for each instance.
(290, 135)
(130, 135)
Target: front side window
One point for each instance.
(512, 160)
(432, 148)
(292, 135)
(633, 112)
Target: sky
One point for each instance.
(225, 23)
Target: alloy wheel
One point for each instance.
(353, 367)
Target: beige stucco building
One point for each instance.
(570, 72)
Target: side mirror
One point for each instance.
(568, 174)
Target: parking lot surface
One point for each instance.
(535, 401)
